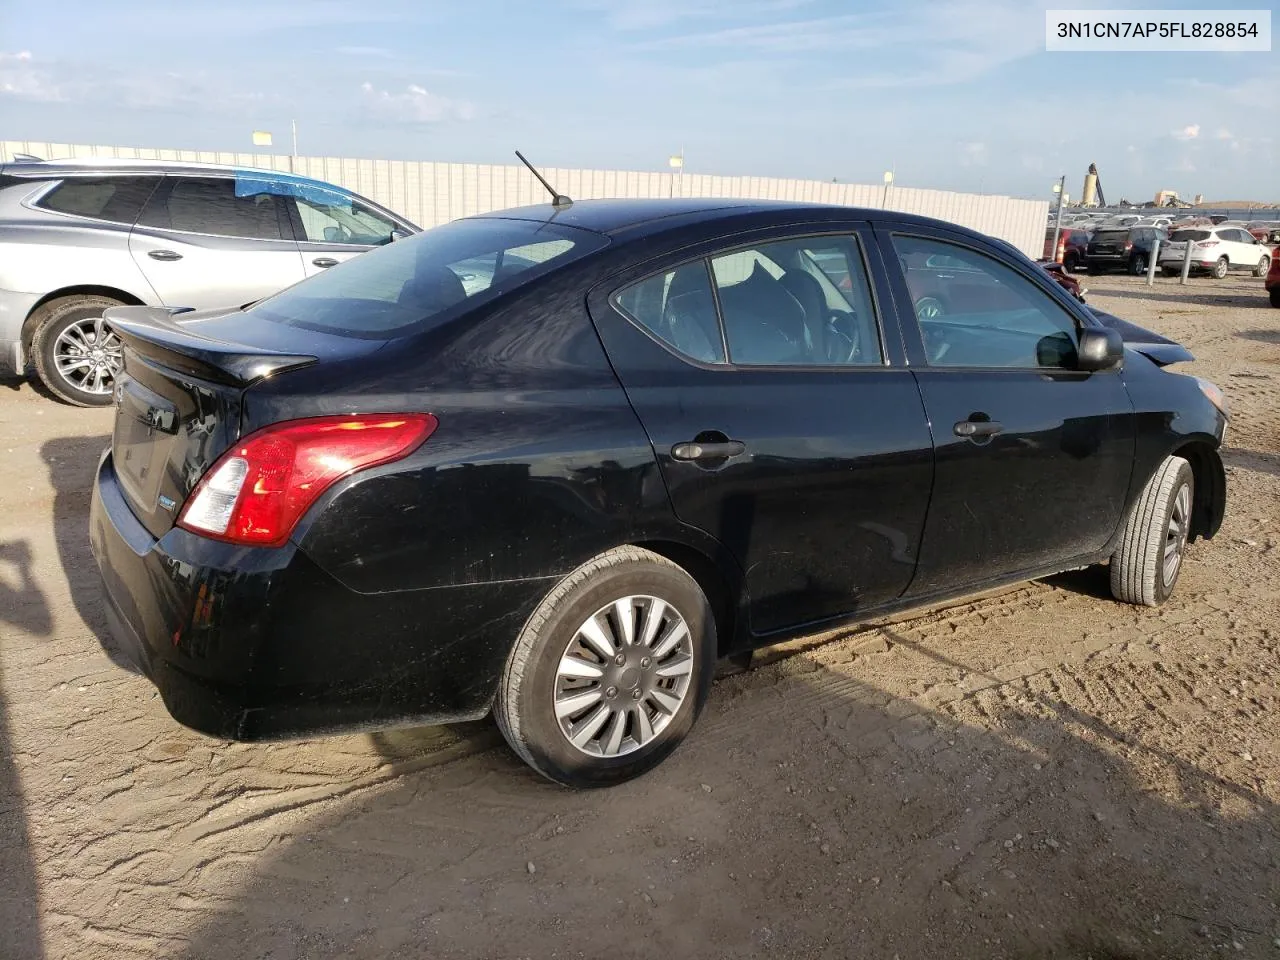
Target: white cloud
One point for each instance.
(23, 78)
(973, 154)
(415, 104)
(1222, 134)
(1189, 132)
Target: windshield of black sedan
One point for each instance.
(418, 283)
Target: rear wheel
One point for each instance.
(1221, 267)
(1070, 261)
(610, 672)
(1275, 296)
(76, 357)
(1138, 264)
(1148, 559)
(1263, 266)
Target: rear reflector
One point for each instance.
(258, 490)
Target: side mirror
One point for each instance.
(399, 233)
(1099, 349)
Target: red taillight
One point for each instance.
(258, 490)
(1128, 244)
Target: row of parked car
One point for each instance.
(1216, 248)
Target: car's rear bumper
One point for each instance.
(250, 644)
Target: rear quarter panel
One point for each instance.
(538, 463)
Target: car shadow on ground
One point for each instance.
(1262, 336)
(1032, 834)
(1189, 296)
(1268, 463)
(72, 463)
(24, 606)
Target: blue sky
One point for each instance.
(952, 95)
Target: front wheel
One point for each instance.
(1263, 266)
(77, 357)
(610, 672)
(1221, 267)
(1148, 558)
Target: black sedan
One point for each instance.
(554, 462)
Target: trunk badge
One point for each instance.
(167, 503)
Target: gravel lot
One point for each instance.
(1042, 773)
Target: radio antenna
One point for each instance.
(557, 199)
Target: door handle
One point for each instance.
(164, 255)
(978, 428)
(325, 262)
(695, 450)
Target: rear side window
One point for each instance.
(426, 280)
(211, 205)
(678, 308)
(1182, 236)
(116, 199)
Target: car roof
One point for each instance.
(90, 166)
(649, 216)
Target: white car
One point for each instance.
(1216, 249)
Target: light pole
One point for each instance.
(1059, 188)
(676, 163)
(888, 182)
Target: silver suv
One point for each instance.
(78, 236)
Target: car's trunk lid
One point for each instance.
(178, 404)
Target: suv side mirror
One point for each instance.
(1099, 349)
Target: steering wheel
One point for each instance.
(841, 345)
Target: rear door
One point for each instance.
(203, 243)
(333, 226)
(782, 418)
(1032, 457)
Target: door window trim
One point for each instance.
(887, 230)
(860, 240)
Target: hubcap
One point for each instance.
(623, 676)
(88, 356)
(1175, 538)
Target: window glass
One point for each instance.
(333, 217)
(982, 313)
(118, 199)
(211, 205)
(803, 301)
(1182, 236)
(426, 280)
(678, 308)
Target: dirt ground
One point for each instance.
(1043, 773)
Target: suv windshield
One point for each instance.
(421, 282)
(1181, 236)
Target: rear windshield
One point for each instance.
(1182, 236)
(421, 282)
(1112, 235)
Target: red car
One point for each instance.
(1272, 282)
(1072, 241)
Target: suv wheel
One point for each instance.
(1263, 266)
(1148, 558)
(1274, 293)
(76, 357)
(1138, 264)
(610, 672)
(1220, 268)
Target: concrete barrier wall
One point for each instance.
(432, 193)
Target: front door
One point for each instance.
(762, 378)
(1033, 456)
(202, 244)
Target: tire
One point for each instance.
(1097, 269)
(1275, 296)
(532, 682)
(1221, 267)
(927, 308)
(1263, 266)
(1138, 264)
(1143, 570)
(75, 357)
(1070, 262)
